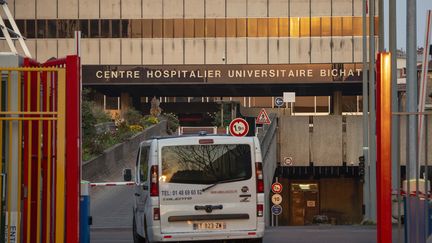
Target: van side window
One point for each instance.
(144, 164)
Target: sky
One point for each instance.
(422, 7)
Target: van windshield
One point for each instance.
(206, 164)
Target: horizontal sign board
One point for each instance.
(222, 73)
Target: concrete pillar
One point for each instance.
(337, 103)
(125, 103)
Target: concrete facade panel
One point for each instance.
(278, 50)
(320, 50)
(90, 51)
(131, 9)
(25, 9)
(194, 9)
(236, 50)
(152, 9)
(342, 7)
(354, 139)
(68, 9)
(46, 49)
(342, 49)
(295, 139)
(152, 51)
(215, 50)
(257, 8)
(321, 8)
(236, 8)
(173, 51)
(131, 51)
(300, 50)
(31, 45)
(194, 51)
(358, 7)
(66, 47)
(215, 9)
(326, 147)
(172, 9)
(87, 9)
(11, 5)
(110, 9)
(299, 8)
(46, 9)
(278, 8)
(110, 51)
(257, 50)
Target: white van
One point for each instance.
(196, 188)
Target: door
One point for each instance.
(304, 203)
(207, 187)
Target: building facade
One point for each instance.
(208, 51)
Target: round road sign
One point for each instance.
(239, 127)
(276, 187)
(279, 101)
(276, 199)
(276, 209)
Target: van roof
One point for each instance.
(189, 135)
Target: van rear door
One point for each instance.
(207, 184)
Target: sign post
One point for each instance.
(289, 97)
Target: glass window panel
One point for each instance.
(220, 28)
(125, 28)
(347, 26)
(94, 28)
(168, 28)
(337, 26)
(41, 28)
(231, 27)
(305, 26)
(115, 28)
(357, 26)
(210, 28)
(241, 27)
(199, 27)
(189, 28)
(315, 26)
(178, 28)
(326, 26)
(51, 28)
(105, 28)
(273, 27)
(136, 28)
(21, 26)
(294, 27)
(157, 28)
(284, 27)
(84, 27)
(376, 26)
(66, 28)
(111, 103)
(30, 28)
(147, 28)
(262, 28)
(252, 27)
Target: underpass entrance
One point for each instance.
(304, 203)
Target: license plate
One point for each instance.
(209, 226)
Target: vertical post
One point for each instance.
(381, 37)
(73, 148)
(366, 185)
(372, 125)
(384, 225)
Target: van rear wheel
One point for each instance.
(136, 237)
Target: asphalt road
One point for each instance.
(111, 209)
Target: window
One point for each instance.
(189, 28)
(206, 164)
(294, 27)
(135, 28)
(199, 28)
(125, 28)
(336, 26)
(315, 26)
(94, 28)
(51, 29)
(168, 28)
(305, 27)
(262, 28)
(147, 28)
(157, 28)
(347, 26)
(41, 28)
(115, 28)
(252, 28)
(112, 103)
(283, 27)
(84, 27)
(220, 28)
(273, 27)
(210, 30)
(105, 28)
(241, 27)
(231, 27)
(143, 167)
(178, 28)
(21, 26)
(326, 26)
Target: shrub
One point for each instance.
(132, 117)
(149, 120)
(172, 122)
(136, 128)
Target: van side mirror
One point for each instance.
(127, 174)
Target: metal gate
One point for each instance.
(39, 173)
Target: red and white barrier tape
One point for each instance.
(120, 183)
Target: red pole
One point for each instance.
(383, 125)
(73, 155)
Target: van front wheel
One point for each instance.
(136, 237)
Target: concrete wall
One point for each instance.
(294, 139)
(110, 165)
(326, 141)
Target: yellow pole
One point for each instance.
(29, 162)
(48, 173)
(39, 161)
(18, 234)
(60, 169)
(9, 183)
